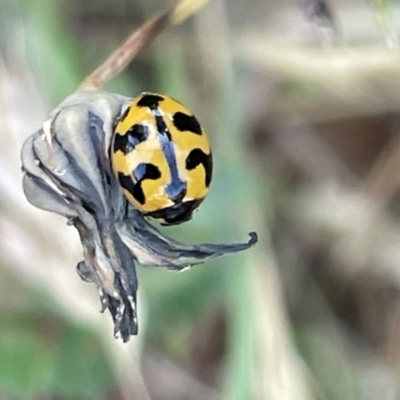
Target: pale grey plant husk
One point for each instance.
(67, 171)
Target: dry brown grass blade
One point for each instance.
(137, 41)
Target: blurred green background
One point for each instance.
(300, 100)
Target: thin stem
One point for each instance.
(137, 41)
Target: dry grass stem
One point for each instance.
(137, 41)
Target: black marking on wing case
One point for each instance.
(184, 122)
(150, 100)
(140, 174)
(197, 157)
(134, 189)
(146, 171)
(126, 143)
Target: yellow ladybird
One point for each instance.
(162, 158)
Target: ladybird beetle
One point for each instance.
(161, 157)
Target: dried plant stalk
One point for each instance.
(137, 41)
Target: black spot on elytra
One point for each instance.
(135, 135)
(197, 157)
(146, 171)
(150, 100)
(184, 122)
(133, 188)
(142, 172)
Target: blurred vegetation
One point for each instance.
(301, 100)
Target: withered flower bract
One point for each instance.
(67, 171)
